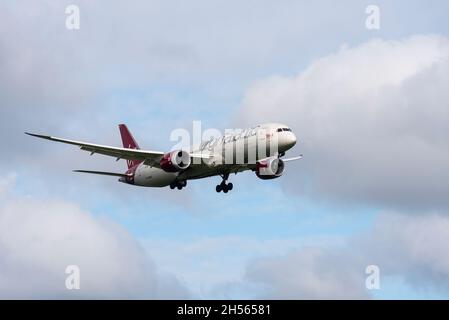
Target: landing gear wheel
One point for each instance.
(223, 186)
(178, 184)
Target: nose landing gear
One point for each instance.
(223, 186)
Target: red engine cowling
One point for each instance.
(175, 161)
(270, 168)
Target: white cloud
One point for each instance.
(372, 121)
(39, 238)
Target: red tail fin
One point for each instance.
(129, 143)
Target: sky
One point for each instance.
(370, 108)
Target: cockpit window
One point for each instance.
(283, 129)
(279, 130)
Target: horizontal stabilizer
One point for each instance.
(124, 175)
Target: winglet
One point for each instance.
(38, 135)
(293, 159)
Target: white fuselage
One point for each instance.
(235, 152)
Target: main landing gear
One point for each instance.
(223, 186)
(178, 184)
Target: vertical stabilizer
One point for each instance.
(128, 142)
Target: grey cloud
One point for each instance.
(40, 238)
(60, 81)
(50, 73)
(372, 122)
(311, 273)
(408, 247)
(413, 247)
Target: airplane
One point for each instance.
(259, 149)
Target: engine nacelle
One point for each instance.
(270, 168)
(175, 161)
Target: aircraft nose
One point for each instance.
(291, 140)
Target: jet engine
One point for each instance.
(270, 168)
(175, 161)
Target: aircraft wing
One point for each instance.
(149, 157)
